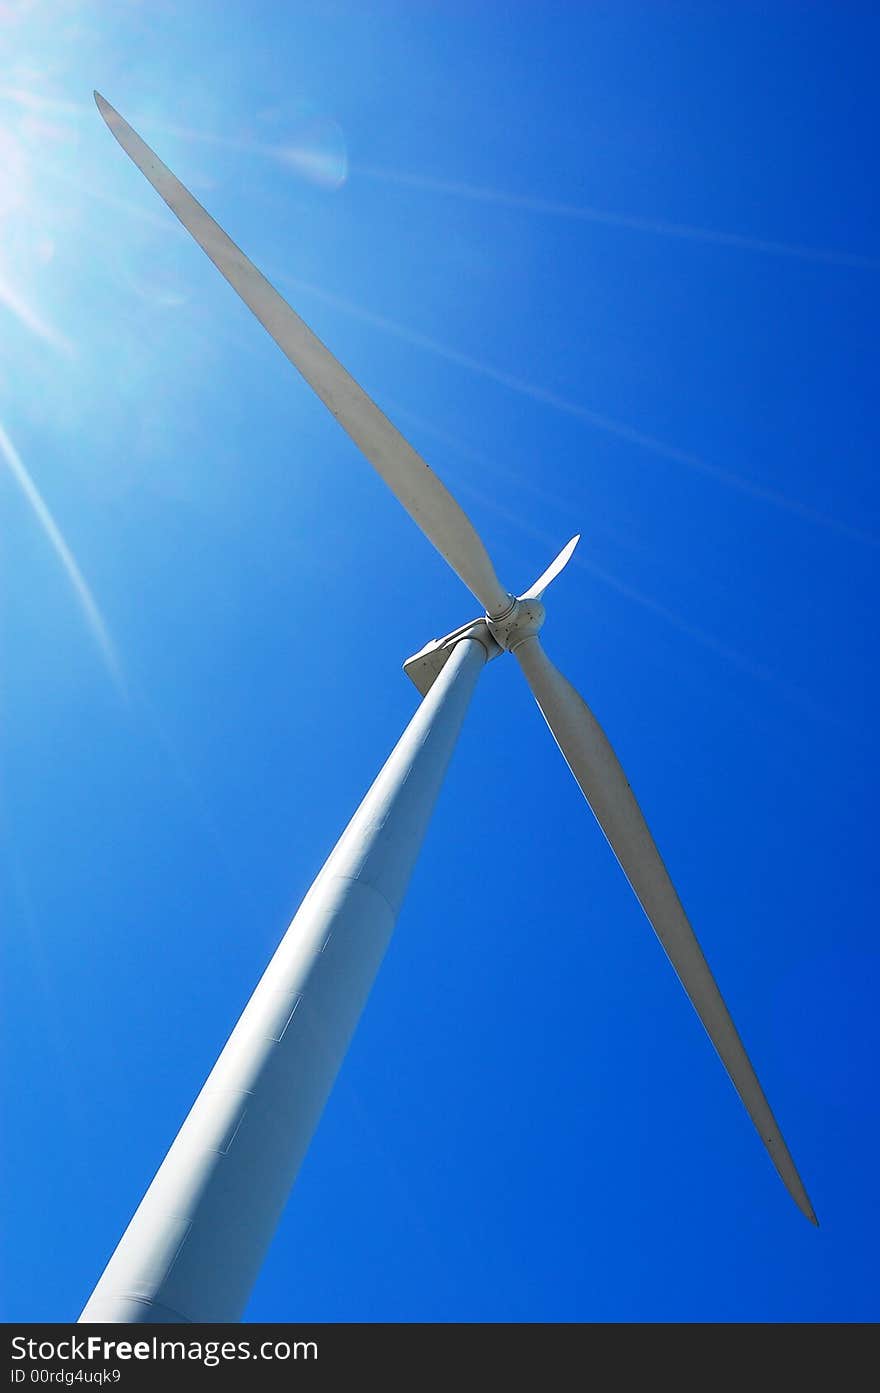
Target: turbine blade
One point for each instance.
(535, 591)
(428, 501)
(604, 785)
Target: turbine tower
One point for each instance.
(196, 1242)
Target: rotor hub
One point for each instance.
(523, 620)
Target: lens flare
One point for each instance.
(318, 152)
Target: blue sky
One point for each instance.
(612, 268)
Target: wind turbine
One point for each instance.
(196, 1242)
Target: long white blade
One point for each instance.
(428, 502)
(604, 785)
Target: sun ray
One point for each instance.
(91, 189)
(519, 520)
(28, 317)
(594, 418)
(580, 213)
(758, 671)
(88, 604)
(34, 101)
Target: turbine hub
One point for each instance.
(523, 621)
